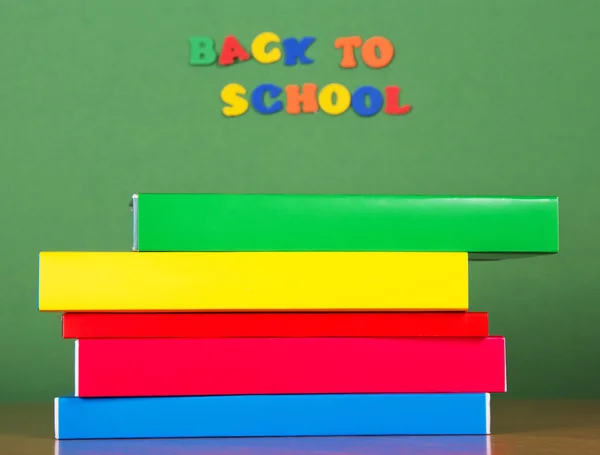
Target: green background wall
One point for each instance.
(97, 101)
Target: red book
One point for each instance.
(248, 366)
(274, 325)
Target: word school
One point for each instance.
(333, 99)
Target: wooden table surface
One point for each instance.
(518, 427)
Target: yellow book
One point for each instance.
(250, 281)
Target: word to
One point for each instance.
(333, 99)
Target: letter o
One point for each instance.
(369, 52)
(342, 103)
(359, 101)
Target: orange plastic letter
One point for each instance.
(307, 98)
(347, 45)
(369, 52)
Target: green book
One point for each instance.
(486, 227)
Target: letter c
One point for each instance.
(259, 48)
(258, 98)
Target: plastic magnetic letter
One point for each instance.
(258, 99)
(232, 51)
(259, 48)
(237, 104)
(296, 50)
(347, 45)
(369, 52)
(342, 102)
(392, 102)
(359, 101)
(202, 50)
(301, 100)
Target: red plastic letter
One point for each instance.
(232, 50)
(392, 102)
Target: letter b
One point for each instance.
(202, 50)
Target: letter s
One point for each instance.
(236, 103)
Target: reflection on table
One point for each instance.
(358, 445)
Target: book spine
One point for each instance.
(274, 325)
(220, 222)
(272, 415)
(171, 282)
(235, 366)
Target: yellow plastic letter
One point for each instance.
(237, 104)
(259, 48)
(342, 102)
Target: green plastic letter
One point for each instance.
(202, 50)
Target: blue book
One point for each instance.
(272, 415)
(353, 445)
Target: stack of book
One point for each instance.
(289, 315)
